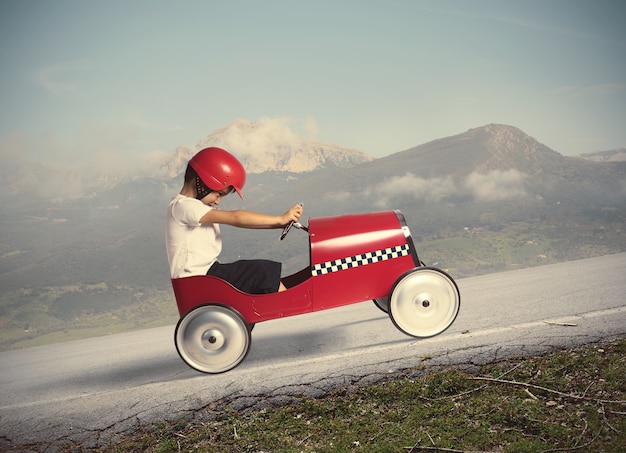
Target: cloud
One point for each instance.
(341, 196)
(409, 185)
(69, 171)
(69, 166)
(311, 128)
(253, 138)
(21, 176)
(497, 185)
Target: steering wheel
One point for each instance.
(288, 227)
(297, 225)
(286, 230)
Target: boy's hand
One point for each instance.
(293, 214)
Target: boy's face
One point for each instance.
(214, 198)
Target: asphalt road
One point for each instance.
(92, 390)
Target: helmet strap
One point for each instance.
(201, 189)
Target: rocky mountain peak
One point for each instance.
(503, 138)
(508, 147)
(270, 145)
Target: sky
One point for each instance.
(105, 82)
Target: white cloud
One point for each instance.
(409, 185)
(311, 128)
(69, 172)
(497, 185)
(253, 138)
(341, 196)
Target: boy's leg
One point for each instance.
(250, 276)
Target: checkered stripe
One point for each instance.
(359, 260)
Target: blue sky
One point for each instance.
(128, 78)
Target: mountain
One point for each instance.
(485, 200)
(269, 145)
(493, 163)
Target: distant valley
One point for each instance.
(486, 200)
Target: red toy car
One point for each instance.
(353, 258)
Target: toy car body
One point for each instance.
(353, 258)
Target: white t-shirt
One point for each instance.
(192, 247)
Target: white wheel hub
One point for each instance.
(212, 338)
(424, 302)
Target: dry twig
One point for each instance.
(577, 447)
(545, 389)
(417, 448)
(467, 392)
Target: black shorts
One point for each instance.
(250, 276)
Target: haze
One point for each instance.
(110, 84)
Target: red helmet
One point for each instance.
(219, 169)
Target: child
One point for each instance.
(193, 239)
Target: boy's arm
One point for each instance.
(250, 219)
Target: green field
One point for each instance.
(43, 315)
(570, 400)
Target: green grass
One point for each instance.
(30, 322)
(517, 245)
(570, 400)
